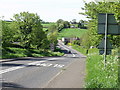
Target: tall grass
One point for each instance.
(98, 76)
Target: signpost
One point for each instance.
(108, 47)
(107, 25)
(108, 20)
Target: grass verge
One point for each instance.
(98, 76)
(13, 52)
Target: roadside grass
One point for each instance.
(71, 32)
(98, 76)
(79, 48)
(14, 52)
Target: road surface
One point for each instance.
(35, 72)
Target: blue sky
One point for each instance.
(48, 10)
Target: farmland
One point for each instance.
(71, 32)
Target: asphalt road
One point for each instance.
(35, 72)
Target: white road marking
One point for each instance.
(19, 67)
(58, 66)
(67, 50)
(64, 47)
(37, 63)
(73, 55)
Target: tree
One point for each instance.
(91, 11)
(7, 34)
(38, 38)
(79, 25)
(52, 34)
(59, 21)
(66, 24)
(30, 29)
(61, 24)
(74, 21)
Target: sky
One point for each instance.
(48, 10)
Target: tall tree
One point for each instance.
(52, 34)
(30, 28)
(91, 11)
(61, 24)
(66, 24)
(8, 34)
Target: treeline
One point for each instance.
(61, 24)
(92, 9)
(27, 31)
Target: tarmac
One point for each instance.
(72, 76)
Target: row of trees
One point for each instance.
(61, 24)
(26, 29)
(91, 11)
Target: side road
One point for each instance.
(71, 77)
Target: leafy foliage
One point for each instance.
(7, 34)
(30, 29)
(61, 24)
(98, 76)
(52, 34)
(91, 10)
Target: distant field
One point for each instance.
(45, 26)
(71, 32)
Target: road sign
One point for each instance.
(107, 24)
(112, 29)
(108, 51)
(102, 44)
(112, 25)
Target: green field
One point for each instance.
(45, 26)
(71, 32)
